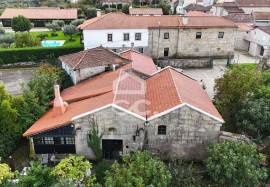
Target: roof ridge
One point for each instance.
(177, 91)
(117, 84)
(80, 60)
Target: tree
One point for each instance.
(77, 22)
(235, 164)
(21, 24)
(70, 30)
(254, 117)
(139, 169)
(53, 27)
(91, 13)
(125, 9)
(166, 7)
(60, 23)
(94, 140)
(75, 169)
(8, 39)
(231, 90)
(184, 174)
(5, 173)
(37, 175)
(2, 30)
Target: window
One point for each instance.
(166, 35)
(220, 34)
(114, 50)
(48, 140)
(126, 36)
(198, 35)
(161, 130)
(140, 50)
(166, 52)
(138, 36)
(70, 140)
(38, 140)
(109, 37)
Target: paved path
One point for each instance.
(41, 29)
(13, 78)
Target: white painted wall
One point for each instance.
(95, 38)
(258, 38)
(70, 72)
(219, 11)
(240, 40)
(249, 10)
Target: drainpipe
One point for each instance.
(158, 40)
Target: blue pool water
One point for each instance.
(52, 43)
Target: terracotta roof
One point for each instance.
(145, 11)
(94, 57)
(244, 27)
(40, 13)
(253, 3)
(261, 15)
(226, 4)
(242, 18)
(197, 7)
(123, 21)
(198, 13)
(140, 63)
(161, 92)
(265, 29)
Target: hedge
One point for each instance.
(10, 56)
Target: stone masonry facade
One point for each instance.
(187, 135)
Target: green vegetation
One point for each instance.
(5, 173)
(94, 140)
(20, 24)
(235, 164)
(139, 169)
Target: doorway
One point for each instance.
(112, 149)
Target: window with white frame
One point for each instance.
(126, 36)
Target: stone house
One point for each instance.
(132, 112)
(259, 42)
(39, 16)
(84, 64)
(163, 37)
(145, 11)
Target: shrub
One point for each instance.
(42, 36)
(125, 9)
(60, 23)
(70, 30)
(91, 13)
(108, 10)
(5, 173)
(35, 54)
(235, 164)
(94, 140)
(25, 39)
(139, 169)
(21, 24)
(77, 22)
(101, 169)
(53, 27)
(7, 39)
(2, 30)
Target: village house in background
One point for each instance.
(38, 15)
(88, 63)
(172, 40)
(132, 110)
(145, 11)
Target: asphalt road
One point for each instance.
(13, 78)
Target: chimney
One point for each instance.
(113, 67)
(59, 106)
(98, 12)
(185, 19)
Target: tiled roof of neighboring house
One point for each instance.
(145, 11)
(243, 18)
(146, 99)
(198, 13)
(261, 15)
(40, 13)
(244, 26)
(265, 29)
(94, 57)
(123, 21)
(116, 1)
(140, 63)
(197, 7)
(253, 3)
(232, 10)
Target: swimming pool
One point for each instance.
(52, 43)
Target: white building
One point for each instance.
(259, 42)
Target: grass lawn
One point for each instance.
(247, 65)
(61, 36)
